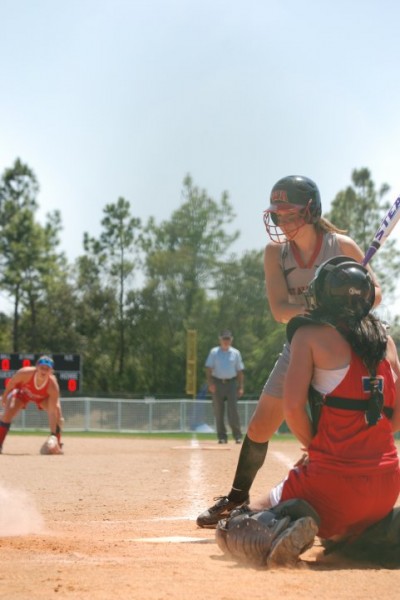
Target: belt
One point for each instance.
(354, 404)
(224, 380)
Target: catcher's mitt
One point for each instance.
(295, 540)
(269, 537)
(51, 446)
(249, 536)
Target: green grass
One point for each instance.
(145, 435)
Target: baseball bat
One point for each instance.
(383, 231)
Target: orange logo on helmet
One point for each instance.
(279, 196)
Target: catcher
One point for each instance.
(35, 384)
(345, 421)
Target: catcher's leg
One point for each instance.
(379, 544)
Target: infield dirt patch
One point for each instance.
(114, 518)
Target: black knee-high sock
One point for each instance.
(251, 459)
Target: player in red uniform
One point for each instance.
(35, 384)
(352, 477)
(342, 402)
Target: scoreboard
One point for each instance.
(67, 368)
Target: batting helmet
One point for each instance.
(292, 192)
(342, 286)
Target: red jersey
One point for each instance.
(29, 392)
(344, 442)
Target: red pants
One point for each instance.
(347, 504)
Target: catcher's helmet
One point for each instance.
(292, 192)
(342, 286)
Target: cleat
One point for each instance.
(242, 510)
(221, 510)
(295, 540)
(223, 441)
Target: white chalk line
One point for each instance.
(195, 475)
(174, 539)
(282, 458)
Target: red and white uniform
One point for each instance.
(353, 477)
(29, 392)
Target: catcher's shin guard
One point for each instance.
(379, 544)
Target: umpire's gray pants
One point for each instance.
(226, 390)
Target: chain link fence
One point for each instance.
(145, 415)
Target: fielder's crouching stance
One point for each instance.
(342, 401)
(35, 384)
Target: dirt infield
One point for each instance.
(115, 518)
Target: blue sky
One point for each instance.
(109, 98)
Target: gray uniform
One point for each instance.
(297, 279)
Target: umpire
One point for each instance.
(224, 370)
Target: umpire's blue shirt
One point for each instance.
(224, 364)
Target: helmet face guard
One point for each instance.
(281, 229)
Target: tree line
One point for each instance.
(132, 337)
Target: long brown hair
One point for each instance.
(324, 225)
(368, 339)
(367, 336)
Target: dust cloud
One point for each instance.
(18, 513)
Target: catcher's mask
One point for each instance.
(294, 202)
